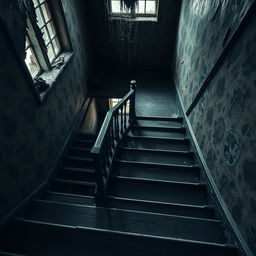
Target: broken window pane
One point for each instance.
(32, 62)
(35, 2)
(40, 20)
(45, 36)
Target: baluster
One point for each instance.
(112, 134)
(117, 128)
(132, 114)
(125, 105)
(99, 173)
(122, 120)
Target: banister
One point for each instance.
(115, 125)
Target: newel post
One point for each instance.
(132, 113)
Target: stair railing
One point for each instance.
(116, 123)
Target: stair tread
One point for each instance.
(155, 164)
(155, 150)
(157, 127)
(74, 169)
(79, 158)
(75, 182)
(130, 136)
(135, 222)
(159, 118)
(147, 180)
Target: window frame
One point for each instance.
(135, 15)
(50, 70)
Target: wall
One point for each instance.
(203, 27)
(31, 135)
(224, 118)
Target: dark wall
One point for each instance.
(153, 43)
(31, 135)
(224, 118)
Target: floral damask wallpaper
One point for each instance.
(31, 135)
(224, 120)
(205, 27)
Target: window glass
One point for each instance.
(151, 7)
(50, 52)
(46, 12)
(40, 21)
(31, 60)
(116, 8)
(141, 7)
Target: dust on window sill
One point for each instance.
(50, 77)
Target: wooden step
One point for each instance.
(73, 187)
(156, 131)
(68, 198)
(195, 211)
(78, 162)
(127, 221)
(80, 174)
(178, 144)
(159, 191)
(136, 169)
(156, 156)
(26, 236)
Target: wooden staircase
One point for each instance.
(156, 203)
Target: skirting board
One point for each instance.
(242, 244)
(38, 189)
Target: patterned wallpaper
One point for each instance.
(202, 29)
(31, 135)
(224, 120)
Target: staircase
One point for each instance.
(156, 204)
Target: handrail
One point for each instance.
(115, 125)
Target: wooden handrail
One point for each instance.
(115, 125)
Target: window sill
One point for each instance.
(139, 19)
(51, 76)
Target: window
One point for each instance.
(114, 101)
(47, 51)
(47, 27)
(144, 8)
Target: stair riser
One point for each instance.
(176, 124)
(73, 188)
(78, 163)
(66, 242)
(77, 152)
(83, 144)
(171, 193)
(76, 175)
(156, 133)
(148, 172)
(161, 208)
(156, 144)
(157, 157)
(68, 199)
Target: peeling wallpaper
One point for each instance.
(31, 135)
(224, 120)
